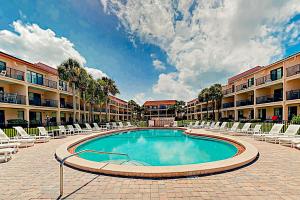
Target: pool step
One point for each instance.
(129, 162)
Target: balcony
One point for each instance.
(113, 111)
(293, 94)
(13, 98)
(13, 73)
(243, 86)
(227, 91)
(228, 105)
(44, 102)
(246, 102)
(45, 82)
(291, 71)
(67, 105)
(266, 79)
(204, 109)
(268, 99)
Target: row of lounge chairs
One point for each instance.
(9, 146)
(289, 137)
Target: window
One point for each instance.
(2, 65)
(276, 74)
(262, 114)
(278, 113)
(20, 114)
(35, 78)
(63, 85)
(250, 82)
(292, 112)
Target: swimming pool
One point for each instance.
(157, 147)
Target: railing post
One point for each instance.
(61, 179)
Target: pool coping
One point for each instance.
(245, 157)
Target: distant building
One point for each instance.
(159, 108)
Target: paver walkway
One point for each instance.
(33, 173)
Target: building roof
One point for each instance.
(159, 102)
(46, 68)
(39, 66)
(117, 99)
(245, 73)
(192, 101)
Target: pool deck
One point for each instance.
(33, 173)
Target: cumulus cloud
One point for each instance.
(34, 44)
(207, 37)
(158, 65)
(140, 98)
(96, 73)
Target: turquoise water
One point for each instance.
(157, 147)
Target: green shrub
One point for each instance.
(17, 122)
(296, 120)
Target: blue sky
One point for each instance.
(152, 50)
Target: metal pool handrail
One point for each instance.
(62, 162)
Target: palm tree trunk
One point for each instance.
(106, 109)
(91, 113)
(214, 117)
(206, 109)
(74, 102)
(84, 106)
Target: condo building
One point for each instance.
(159, 108)
(259, 93)
(33, 92)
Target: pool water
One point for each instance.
(157, 147)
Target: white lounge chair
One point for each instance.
(64, 131)
(108, 126)
(244, 129)
(275, 130)
(213, 125)
(78, 127)
(88, 126)
(234, 128)
(6, 154)
(44, 135)
(216, 126)
(297, 146)
(98, 128)
(73, 130)
(220, 128)
(289, 141)
(175, 124)
(129, 125)
(121, 125)
(190, 125)
(290, 132)
(6, 142)
(22, 137)
(114, 125)
(255, 130)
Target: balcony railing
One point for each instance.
(246, 102)
(228, 91)
(266, 79)
(243, 86)
(113, 111)
(13, 73)
(44, 102)
(291, 71)
(228, 105)
(47, 83)
(293, 94)
(68, 105)
(268, 99)
(13, 98)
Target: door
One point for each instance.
(2, 118)
(292, 112)
(278, 113)
(278, 93)
(35, 99)
(262, 114)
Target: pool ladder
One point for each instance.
(62, 162)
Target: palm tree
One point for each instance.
(82, 84)
(109, 87)
(204, 95)
(178, 107)
(133, 107)
(212, 93)
(218, 95)
(69, 71)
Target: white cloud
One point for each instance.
(140, 98)
(96, 73)
(35, 44)
(202, 38)
(158, 65)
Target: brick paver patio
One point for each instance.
(33, 173)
